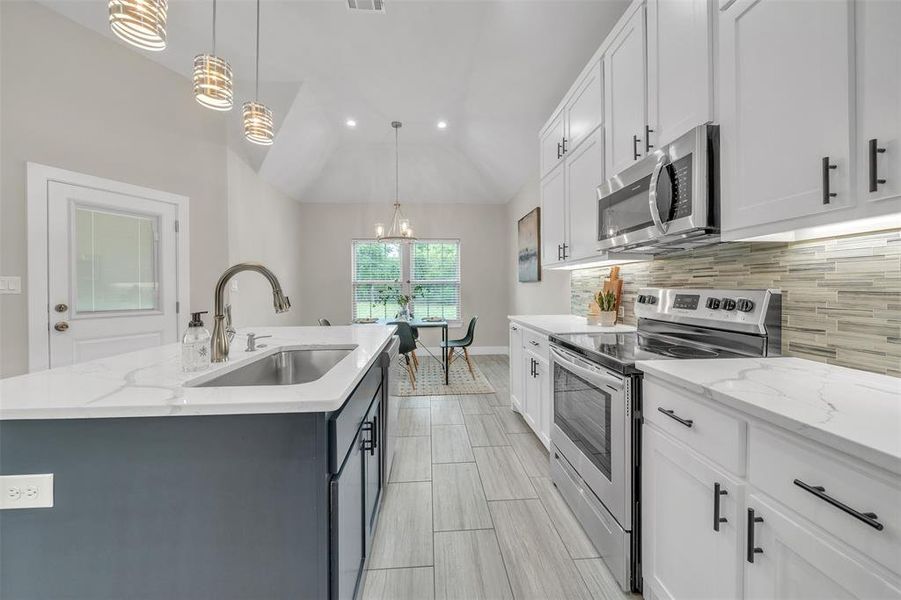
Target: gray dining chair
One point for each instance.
(407, 347)
(463, 343)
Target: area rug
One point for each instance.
(430, 379)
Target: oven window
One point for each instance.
(582, 412)
(625, 210)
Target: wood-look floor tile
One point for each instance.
(403, 537)
(469, 566)
(413, 421)
(600, 581)
(476, 404)
(399, 584)
(458, 498)
(572, 534)
(414, 402)
(532, 453)
(450, 444)
(412, 459)
(446, 411)
(511, 421)
(485, 430)
(538, 565)
(502, 474)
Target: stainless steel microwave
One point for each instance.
(667, 202)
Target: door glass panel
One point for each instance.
(582, 411)
(116, 258)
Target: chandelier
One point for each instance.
(141, 23)
(400, 230)
(257, 116)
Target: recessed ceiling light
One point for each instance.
(351, 123)
(442, 124)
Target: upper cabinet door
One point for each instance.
(584, 173)
(785, 111)
(553, 217)
(680, 67)
(552, 144)
(585, 109)
(626, 96)
(879, 88)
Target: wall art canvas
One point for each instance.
(530, 247)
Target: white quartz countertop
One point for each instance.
(151, 383)
(853, 411)
(560, 324)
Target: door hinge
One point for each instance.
(177, 307)
(176, 226)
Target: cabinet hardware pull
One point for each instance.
(564, 145)
(375, 433)
(635, 140)
(874, 175)
(827, 195)
(559, 252)
(565, 246)
(368, 445)
(559, 150)
(820, 492)
(717, 519)
(647, 139)
(514, 327)
(672, 415)
(752, 549)
(531, 367)
(534, 343)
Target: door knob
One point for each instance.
(61, 326)
(61, 308)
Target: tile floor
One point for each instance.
(470, 511)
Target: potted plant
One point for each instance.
(606, 306)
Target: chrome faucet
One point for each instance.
(220, 339)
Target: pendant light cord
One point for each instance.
(214, 27)
(256, 95)
(396, 170)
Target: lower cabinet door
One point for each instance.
(545, 400)
(691, 522)
(372, 470)
(792, 560)
(516, 366)
(347, 531)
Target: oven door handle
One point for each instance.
(609, 380)
(652, 193)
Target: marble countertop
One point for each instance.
(560, 324)
(853, 411)
(151, 383)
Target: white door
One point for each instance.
(553, 217)
(516, 372)
(680, 67)
(879, 86)
(584, 173)
(112, 273)
(625, 81)
(684, 555)
(552, 144)
(785, 108)
(585, 109)
(796, 562)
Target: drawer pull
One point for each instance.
(534, 343)
(717, 519)
(672, 415)
(752, 549)
(820, 492)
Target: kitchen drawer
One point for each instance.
(716, 435)
(537, 343)
(776, 462)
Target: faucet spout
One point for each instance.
(280, 302)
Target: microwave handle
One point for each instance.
(652, 193)
(591, 374)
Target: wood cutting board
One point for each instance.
(614, 284)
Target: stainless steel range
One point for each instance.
(596, 436)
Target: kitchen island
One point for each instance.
(170, 490)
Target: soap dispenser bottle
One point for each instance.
(195, 345)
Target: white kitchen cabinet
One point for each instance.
(680, 67)
(553, 216)
(584, 109)
(794, 561)
(584, 173)
(785, 82)
(625, 94)
(691, 521)
(536, 391)
(516, 371)
(551, 143)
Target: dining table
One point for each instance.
(425, 324)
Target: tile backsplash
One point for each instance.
(841, 296)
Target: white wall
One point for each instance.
(76, 100)
(328, 229)
(550, 295)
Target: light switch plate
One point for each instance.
(10, 285)
(26, 491)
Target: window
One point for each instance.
(429, 270)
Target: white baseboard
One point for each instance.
(474, 350)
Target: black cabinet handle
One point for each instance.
(820, 492)
(827, 195)
(752, 549)
(672, 415)
(565, 246)
(564, 145)
(559, 150)
(875, 150)
(559, 252)
(368, 445)
(531, 367)
(375, 433)
(635, 140)
(717, 519)
(647, 139)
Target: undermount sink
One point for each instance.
(287, 367)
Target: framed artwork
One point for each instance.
(530, 247)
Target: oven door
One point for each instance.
(591, 428)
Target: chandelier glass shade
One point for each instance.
(400, 230)
(258, 123)
(213, 80)
(141, 23)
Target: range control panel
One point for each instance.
(713, 307)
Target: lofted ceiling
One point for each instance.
(492, 69)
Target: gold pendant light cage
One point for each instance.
(258, 123)
(141, 23)
(213, 82)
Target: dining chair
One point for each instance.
(324, 322)
(454, 346)
(407, 346)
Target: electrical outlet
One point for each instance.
(10, 285)
(26, 491)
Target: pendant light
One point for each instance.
(213, 77)
(400, 225)
(258, 116)
(141, 23)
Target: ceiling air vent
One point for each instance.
(367, 5)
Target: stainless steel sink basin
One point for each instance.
(287, 367)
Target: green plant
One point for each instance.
(606, 301)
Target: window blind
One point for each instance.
(435, 278)
(376, 275)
